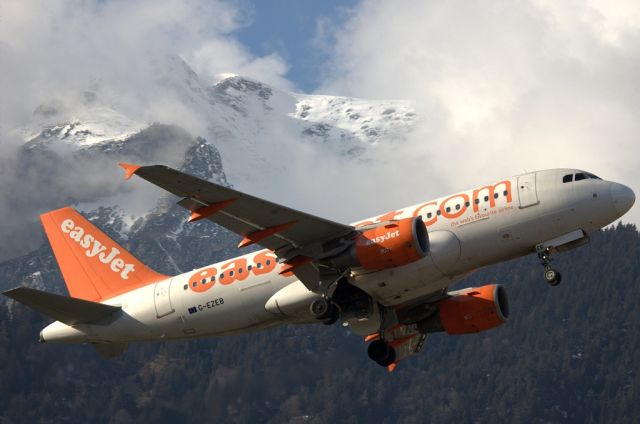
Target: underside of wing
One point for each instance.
(300, 240)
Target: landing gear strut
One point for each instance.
(381, 353)
(325, 310)
(551, 276)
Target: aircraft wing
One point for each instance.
(297, 238)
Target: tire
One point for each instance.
(378, 351)
(334, 315)
(320, 309)
(390, 359)
(552, 276)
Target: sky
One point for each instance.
(500, 87)
(296, 31)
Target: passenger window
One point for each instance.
(477, 201)
(186, 286)
(204, 281)
(438, 212)
(222, 276)
(467, 204)
(567, 178)
(259, 265)
(429, 215)
(239, 270)
(448, 209)
(495, 195)
(195, 283)
(505, 193)
(268, 262)
(457, 207)
(486, 198)
(249, 268)
(580, 176)
(230, 273)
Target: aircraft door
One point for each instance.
(527, 192)
(162, 298)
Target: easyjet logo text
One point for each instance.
(234, 270)
(95, 249)
(383, 238)
(453, 207)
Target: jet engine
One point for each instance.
(469, 311)
(387, 245)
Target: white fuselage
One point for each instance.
(467, 230)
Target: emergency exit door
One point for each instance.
(527, 193)
(162, 298)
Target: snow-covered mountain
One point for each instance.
(237, 131)
(240, 116)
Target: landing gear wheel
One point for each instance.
(334, 315)
(552, 276)
(381, 352)
(324, 310)
(320, 308)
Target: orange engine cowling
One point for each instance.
(388, 245)
(470, 311)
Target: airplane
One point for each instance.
(386, 278)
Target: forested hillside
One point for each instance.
(568, 354)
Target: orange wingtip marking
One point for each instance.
(372, 337)
(259, 235)
(129, 169)
(207, 211)
(294, 263)
(392, 367)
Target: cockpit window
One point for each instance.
(580, 176)
(567, 178)
(595, 177)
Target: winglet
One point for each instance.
(129, 169)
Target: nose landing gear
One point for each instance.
(551, 276)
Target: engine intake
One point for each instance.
(469, 311)
(388, 245)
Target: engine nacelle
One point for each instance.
(470, 311)
(387, 245)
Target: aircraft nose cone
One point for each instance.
(623, 197)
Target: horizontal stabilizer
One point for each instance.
(68, 310)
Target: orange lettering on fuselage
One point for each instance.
(491, 189)
(203, 280)
(445, 210)
(235, 270)
(420, 212)
(457, 209)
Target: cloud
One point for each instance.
(501, 87)
(62, 46)
(123, 53)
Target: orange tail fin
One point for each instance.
(94, 266)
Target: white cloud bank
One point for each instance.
(501, 87)
(53, 48)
